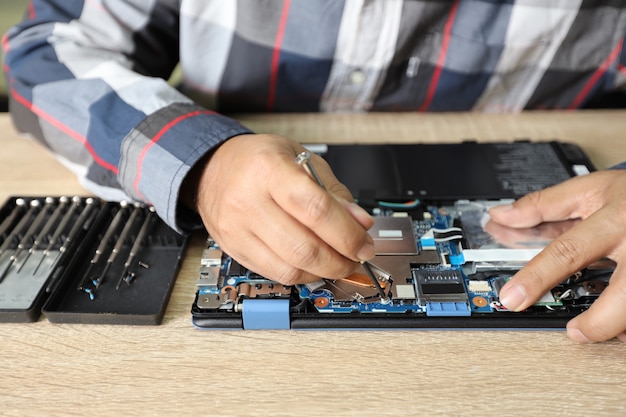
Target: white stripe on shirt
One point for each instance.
(365, 47)
(533, 37)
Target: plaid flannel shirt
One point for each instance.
(88, 78)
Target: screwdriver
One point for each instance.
(118, 244)
(304, 159)
(26, 237)
(20, 204)
(82, 224)
(45, 230)
(30, 233)
(117, 219)
(24, 221)
(145, 227)
(58, 232)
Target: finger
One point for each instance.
(606, 318)
(568, 200)
(342, 192)
(331, 183)
(324, 215)
(254, 254)
(569, 253)
(298, 246)
(359, 214)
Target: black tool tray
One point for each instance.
(84, 274)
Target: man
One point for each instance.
(88, 79)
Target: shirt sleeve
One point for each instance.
(88, 79)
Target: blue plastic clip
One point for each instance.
(265, 314)
(448, 309)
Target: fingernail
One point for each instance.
(576, 335)
(512, 297)
(503, 208)
(622, 337)
(355, 209)
(366, 252)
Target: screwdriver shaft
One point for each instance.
(83, 222)
(304, 159)
(49, 224)
(34, 204)
(58, 231)
(117, 219)
(145, 227)
(20, 225)
(10, 219)
(118, 245)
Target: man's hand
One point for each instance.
(599, 200)
(265, 211)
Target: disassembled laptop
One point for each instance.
(436, 267)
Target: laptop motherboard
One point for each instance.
(439, 266)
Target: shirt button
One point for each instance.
(357, 77)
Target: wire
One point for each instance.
(405, 205)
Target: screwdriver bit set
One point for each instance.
(84, 260)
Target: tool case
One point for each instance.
(85, 260)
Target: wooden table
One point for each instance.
(174, 369)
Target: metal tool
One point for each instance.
(45, 230)
(83, 222)
(20, 225)
(104, 243)
(20, 204)
(304, 159)
(118, 245)
(145, 228)
(58, 232)
(26, 237)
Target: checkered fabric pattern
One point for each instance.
(88, 78)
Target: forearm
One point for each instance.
(89, 82)
(159, 154)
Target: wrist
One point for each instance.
(190, 186)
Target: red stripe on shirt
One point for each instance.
(447, 31)
(65, 129)
(276, 55)
(5, 43)
(155, 139)
(31, 11)
(593, 80)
